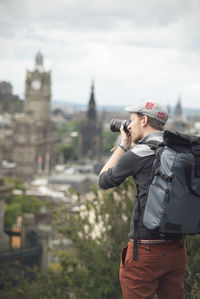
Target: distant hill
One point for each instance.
(74, 106)
(191, 111)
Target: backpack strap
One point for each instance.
(154, 145)
(167, 178)
(196, 152)
(155, 168)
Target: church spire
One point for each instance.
(178, 108)
(92, 106)
(39, 61)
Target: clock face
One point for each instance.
(36, 84)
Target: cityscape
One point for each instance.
(53, 148)
(67, 70)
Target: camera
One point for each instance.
(115, 125)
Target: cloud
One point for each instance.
(98, 14)
(132, 48)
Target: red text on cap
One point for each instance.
(161, 115)
(149, 105)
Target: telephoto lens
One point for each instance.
(115, 125)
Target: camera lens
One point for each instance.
(115, 125)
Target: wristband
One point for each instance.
(122, 147)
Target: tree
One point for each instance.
(98, 229)
(17, 205)
(69, 127)
(109, 139)
(70, 130)
(192, 280)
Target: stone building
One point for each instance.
(9, 102)
(90, 139)
(34, 135)
(5, 88)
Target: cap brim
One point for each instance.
(134, 108)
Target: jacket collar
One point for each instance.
(156, 136)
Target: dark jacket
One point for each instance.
(137, 163)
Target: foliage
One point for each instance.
(109, 139)
(70, 150)
(17, 183)
(17, 205)
(192, 280)
(69, 127)
(89, 267)
(98, 231)
(31, 284)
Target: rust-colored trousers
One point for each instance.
(160, 269)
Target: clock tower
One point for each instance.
(35, 134)
(38, 91)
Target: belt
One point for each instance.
(159, 241)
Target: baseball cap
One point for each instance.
(150, 108)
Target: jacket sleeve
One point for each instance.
(124, 168)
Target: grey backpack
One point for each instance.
(173, 200)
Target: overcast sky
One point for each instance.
(137, 49)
